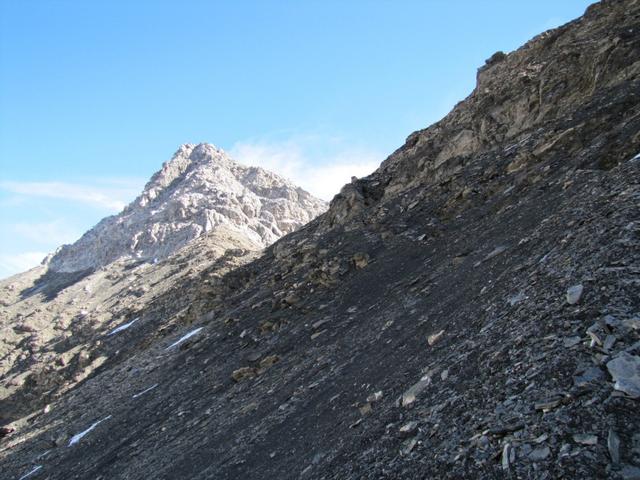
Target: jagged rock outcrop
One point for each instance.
(549, 97)
(199, 190)
(470, 310)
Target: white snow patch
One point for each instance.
(145, 391)
(122, 327)
(30, 473)
(77, 437)
(187, 336)
(43, 454)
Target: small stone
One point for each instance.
(319, 323)
(365, 409)
(632, 323)
(613, 445)
(585, 439)
(317, 334)
(595, 339)
(542, 438)
(495, 251)
(267, 326)
(565, 450)
(291, 299)
(524, 450)
(444, 375)
(269, 361)
(432, 339)
(625, 371)
(630, 472)
(589, 375)
(539, 454)
(502, 430)
(244, 373)
(483, 442)
(569, 342)
(548, 405)
(508, 456)
(412, 393)
(408, 429)
(574, 293)
(609, 342)
(360, 260)
(407, 446)
(6, 431)
(60, 440)
(375, 397)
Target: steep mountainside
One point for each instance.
(201, 189)
(199, 217)
(470, 310)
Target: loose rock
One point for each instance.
(432, 339)
(625, 371)
(613, 445)
(244, 373)
(540, 454)
(574, 294)
(585, 439)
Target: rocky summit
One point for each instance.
(469, 310)
(200, 190)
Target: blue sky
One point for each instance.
(94, 96)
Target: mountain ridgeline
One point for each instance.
(469, 310)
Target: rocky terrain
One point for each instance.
(469, 310)
(199, 217)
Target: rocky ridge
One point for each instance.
(199, 190)
(469, 310)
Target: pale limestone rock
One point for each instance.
(199, 190)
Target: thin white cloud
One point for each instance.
(26, 240)
(12, 264)
(56, 232)
(104, 194)
(320, 165)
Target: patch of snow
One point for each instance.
(187, 336)
(43, 454)
(145, 391)
(77, 437)
(31, 472)
(122, 327)
(517, 298)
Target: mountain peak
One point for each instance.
(199, 190)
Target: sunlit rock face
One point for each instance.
(199, 190)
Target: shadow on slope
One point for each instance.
(51, 283)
